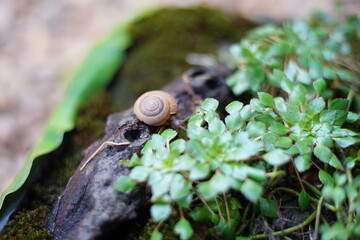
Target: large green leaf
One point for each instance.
(98, 68)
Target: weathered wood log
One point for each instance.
(89, 206)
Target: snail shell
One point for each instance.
(155, 107)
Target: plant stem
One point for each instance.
(317, 221)
(350, 97)
(288, 230)
(351, 201)
(275, 174)
(328, 206)
(227, 209)
(297, 174)
(219, 210)
(312, 188)
(181, 212)
(203, 201)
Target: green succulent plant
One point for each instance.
(303, 76)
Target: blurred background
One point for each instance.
(43, 41)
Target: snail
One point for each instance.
(156, 108)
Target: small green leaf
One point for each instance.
(323, 153)
(326, 178)
(298, 94)
(220, 183)
(303, 162)
(279, 128)
(266, 99)
(139, 173)
(124, 184)
(319, 86)
(280, 104)
(352, 117)
(200, 214)
(160, 212)
(343, 132)
(209, 104)
(304, 200)
(156, 235)
(325, 141)
(303, 147)
(276, 157)
(217, 126)
(234, 106)
(283, 142)
(339, 104)
(266, 118)
(183, 229)
(178, 146)
(234, 121)
(315, 68)
(179, 188)
(291, 117)
(160, 187)
(251, 190)
(345, 142)
(292, 150)
(303, 77)
(255, 129)
(340, 117)
(196, 120)
(169, 134)
(315, 106)
(245, 113)
(286, 85)
(334, 162)
(134, 161)
(210, 115)
(157, 141)
(199, 171)
(206, 191)
(268, 207)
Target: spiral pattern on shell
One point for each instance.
(155, 107)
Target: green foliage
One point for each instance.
(300, 119)
(342, 190)
(295, 57)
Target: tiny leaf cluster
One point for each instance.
(301, 76)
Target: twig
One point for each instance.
(100, 148)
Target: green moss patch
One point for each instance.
(163, 41)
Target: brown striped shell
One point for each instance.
(155, 107)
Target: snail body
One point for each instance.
(155, 108)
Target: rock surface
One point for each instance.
(89, 205)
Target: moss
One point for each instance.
(27, 225)
(163, 40)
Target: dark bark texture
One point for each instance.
(89, 206)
